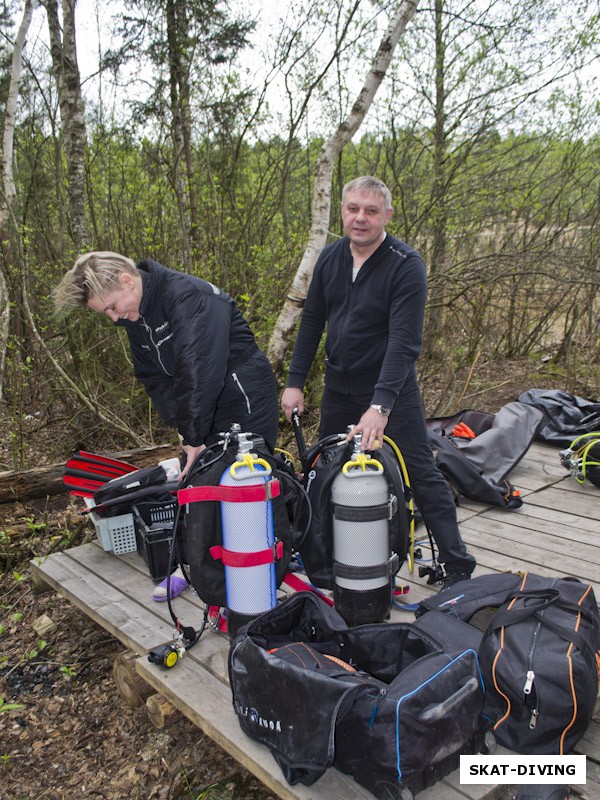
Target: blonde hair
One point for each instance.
(93, 275)
(367, 183)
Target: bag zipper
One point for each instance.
(382, 693)
(530, 680)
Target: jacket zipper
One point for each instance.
(241, 388)
(156, 348)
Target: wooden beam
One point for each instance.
(44, 481)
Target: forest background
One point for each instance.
(193, 132)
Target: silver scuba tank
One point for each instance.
(364, 566)
(248, 540)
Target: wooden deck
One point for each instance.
(556, 532)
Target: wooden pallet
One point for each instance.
(556, 532)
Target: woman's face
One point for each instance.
(123, 302)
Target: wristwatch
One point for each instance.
(383, 410)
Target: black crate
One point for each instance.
(154, 534)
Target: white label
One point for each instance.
(522, 769)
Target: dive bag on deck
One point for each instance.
(323, 463)
(384, 703)
(475, 451)
(539, 649)
(118, 495)
(203, 525)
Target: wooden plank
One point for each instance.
(560, 498)
(589, 744)
(591, 789)
(130, 574)
(131, 624)
(540, 518)
(585, 556)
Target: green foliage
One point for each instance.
(503, 206)
(7, 707)
(67, 672)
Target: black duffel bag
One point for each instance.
(382, 702)
(539, 650)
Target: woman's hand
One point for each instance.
(191, 454)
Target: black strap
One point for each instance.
(360, 513)
(385, 570)
(512, 616)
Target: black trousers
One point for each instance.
(406, 427)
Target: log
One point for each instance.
(45, 481)
(160, 711)
(132, 687)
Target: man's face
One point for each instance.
(364, 217)
(122, 303)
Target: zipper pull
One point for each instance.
(382, 693)
(529, 681)
(533, 719)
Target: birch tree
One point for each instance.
(8, 181)
(321, 203)
(66, 74)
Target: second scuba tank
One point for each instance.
(364, 566)
(249, 550)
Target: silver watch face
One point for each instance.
(383, 410)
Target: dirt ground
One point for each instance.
(65, 732)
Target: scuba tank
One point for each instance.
(363, 564)
(249, 550)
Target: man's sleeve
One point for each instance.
(405, 339)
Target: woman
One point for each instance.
(191, 347)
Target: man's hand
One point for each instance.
(291, 399)
(371, 425)
(191, 453)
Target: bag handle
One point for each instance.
(512, 616)
(435, 713)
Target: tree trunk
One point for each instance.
(321, 203)
(437, 267)
(7, 196)
(72, 113)
(176, 31)
(47, 481)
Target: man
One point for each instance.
(370, 290)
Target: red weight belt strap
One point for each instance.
(231, 558)
(298, 585)
(256, 493)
